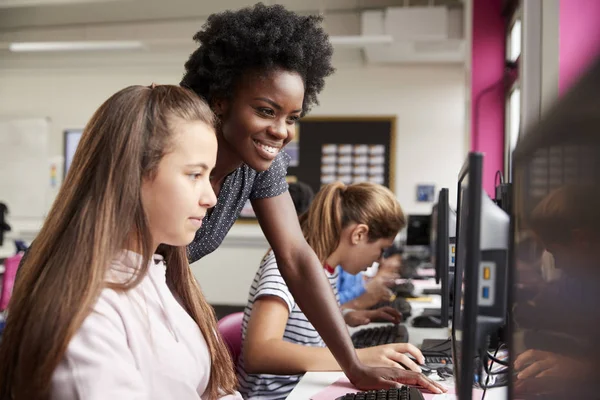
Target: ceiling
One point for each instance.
(31, 14)
(165, 28)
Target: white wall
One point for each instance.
(429, 103)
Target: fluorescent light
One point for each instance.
(24, 47)
(360, 40)
(33, 3)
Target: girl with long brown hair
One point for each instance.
(349, 226)
(106, 305)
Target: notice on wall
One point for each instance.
(352, 163)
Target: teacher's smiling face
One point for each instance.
(260, 118)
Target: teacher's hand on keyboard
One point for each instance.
(387, 377)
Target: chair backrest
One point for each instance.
(11, 264)
(230, 327)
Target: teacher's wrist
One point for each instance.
(355, 370)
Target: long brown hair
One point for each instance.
(337, 205)
(96, 213)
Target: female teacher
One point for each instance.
(260, 69)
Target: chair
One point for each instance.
(230, 327)
(11, 264)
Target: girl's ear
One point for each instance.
(360, 233)
(220, 106)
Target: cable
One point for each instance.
(487, 379)
(510, 68)
(489, 371)
(497, 360)
(499, 173)
(477, 105)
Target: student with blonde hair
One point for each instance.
(106, 306)
(349, 226)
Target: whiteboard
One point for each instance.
(24, 166)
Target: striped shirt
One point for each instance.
(268, 282)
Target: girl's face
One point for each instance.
(176, 199)
(260, 118)
(357, 251)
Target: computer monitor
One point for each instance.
(555, 261)
(443, 225)
(417, 230)
(71, 141)
(432, 237)
(443, 230)
(480, 273)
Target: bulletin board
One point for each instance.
(24, 174)
(346, 149)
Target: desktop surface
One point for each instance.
(312, 383)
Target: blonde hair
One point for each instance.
(96, 212)
(337, 205)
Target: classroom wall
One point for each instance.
(569, 32)
(487, 89)
(428, 102)
(429, 105)
(579, 40)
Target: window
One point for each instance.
(512, 115)
(513, 43)
(512, 125)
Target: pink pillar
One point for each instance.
(579, 39)
(487, 90)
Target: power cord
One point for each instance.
(497, 360)
(498, 173)
(489, 371)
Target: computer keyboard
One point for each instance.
(404, 393)
(381, 335)
(438, 360)
(405, 289)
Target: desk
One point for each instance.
(313, 382)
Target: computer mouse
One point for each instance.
(425, 370)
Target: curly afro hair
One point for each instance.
(258, 38)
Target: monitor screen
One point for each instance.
(433, 232)
(555, 265)
(465, 342)
(417, 230)
(71, 138)
(443, 229)
(458, 305)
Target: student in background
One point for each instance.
(106, 306)
(345, 225)
(261, 69)
(360, 293)
(302, 195)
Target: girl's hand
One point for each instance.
(392, 355)
(363, 317)
(378, 288)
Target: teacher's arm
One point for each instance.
(303, 274)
